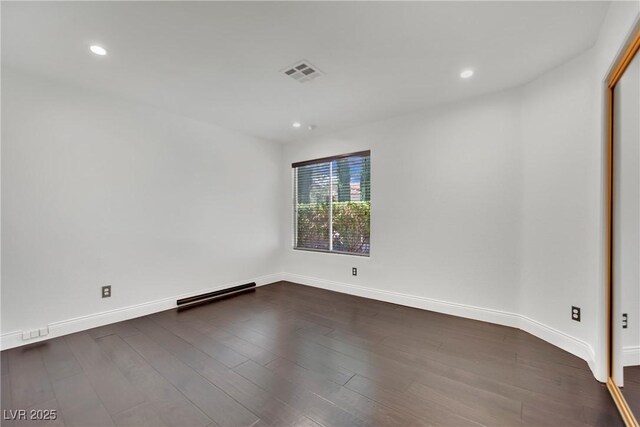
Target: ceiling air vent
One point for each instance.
(302, 71)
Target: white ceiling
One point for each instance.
(220, 62)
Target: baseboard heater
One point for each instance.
(210, 296)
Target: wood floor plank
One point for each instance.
(342, 397)
(29, 379)
(437, 374)
(58, 359)
(142, 415)
(123, 329)
(379, 359)
(469, 402)
(170, 404)
(547, 417)
(46, 411)
(169, 341)
(202, 342)
(115, 391)
(287, 346)
(270, 409)
(79, 404)
(363, 340)
(318, 409)
(211, 400)
(431, 412)
(601, 417)
(247, 349)
(6, 403)
(4, 365)
(631, 389)
(204, 327)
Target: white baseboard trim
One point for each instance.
(558, 338)
(70, 326)
(631, 356)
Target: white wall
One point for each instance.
(561, 198)
(563, 229)
(445, 205)
(616, 28)
(99, 191)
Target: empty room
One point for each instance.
(235, 214)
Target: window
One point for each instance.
(332, 199)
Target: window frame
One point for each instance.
(329, 159)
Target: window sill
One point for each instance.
(332, 252)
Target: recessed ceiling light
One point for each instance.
(311, 127)
(296, 124)
(466, 74)
(98, 50)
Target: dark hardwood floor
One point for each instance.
(631, 389)
(292, 355)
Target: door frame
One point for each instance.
(632, 46)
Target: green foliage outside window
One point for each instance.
(351, 226)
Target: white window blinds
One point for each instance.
(332, 200)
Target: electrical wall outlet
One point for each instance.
(575, 313)
(106, 291)
(625, 320)
(354, 271)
